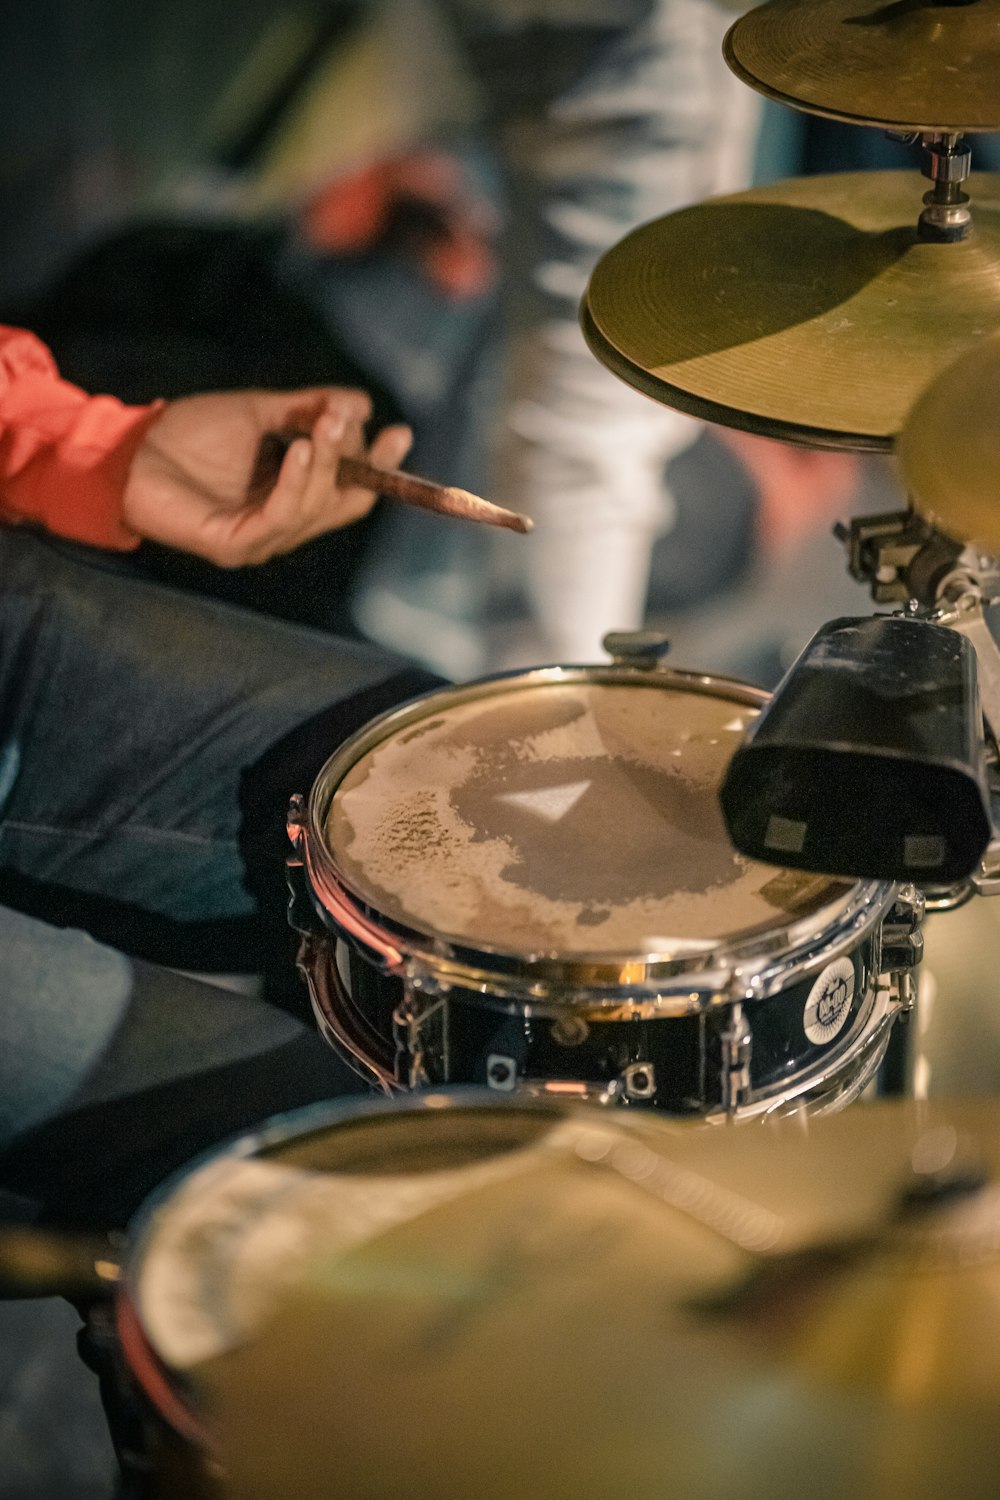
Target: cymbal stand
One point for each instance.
(947, 162)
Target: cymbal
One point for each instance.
(634, 1305)
(949, 448)
(806, 310)
(914, 65)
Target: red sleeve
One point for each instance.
(64, 455)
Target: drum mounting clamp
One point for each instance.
(903, 943)
(902, 939)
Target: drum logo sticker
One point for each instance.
(829, 1002)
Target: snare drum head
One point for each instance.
(566, 817)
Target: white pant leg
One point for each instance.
(659, 123)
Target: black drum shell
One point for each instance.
(467, 1040)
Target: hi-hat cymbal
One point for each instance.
(920, 65)
(806, 310)
(949, 448)
(629, 1305)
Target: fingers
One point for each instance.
(198, 483)
(307, 499)
(299, 410)
(391, 447)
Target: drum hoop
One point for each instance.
(688, 977)
(156, 1380)
(414, 711)
(638, 988)
(277, 1130)
(850, 1063)
(152, 1376)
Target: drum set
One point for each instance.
(519, 898)
(526, 884)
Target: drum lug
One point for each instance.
(302, 914)
(409, 1021)
(901, 953)
(295, 821)
(737, 1047)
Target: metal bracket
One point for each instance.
(737, 1047)
(898, 555)
(902, 938)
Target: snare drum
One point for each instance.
(526, 883)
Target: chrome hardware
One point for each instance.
(903, 559)
(409, 1033)
(737, 1046)
(906, 989)
(639, 1081)
(986, 881)
(949, 897)
(947, 162)
(501, 1073)
(295, 820)
(902, 938)
(898, 555)
(302, 914)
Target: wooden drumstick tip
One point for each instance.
(445, 500)
(477, 509)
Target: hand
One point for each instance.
(189, 484)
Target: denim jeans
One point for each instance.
(149, 743)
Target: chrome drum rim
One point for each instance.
(687, 978)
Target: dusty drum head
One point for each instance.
(561, 818)
(526, 883)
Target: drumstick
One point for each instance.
(445, 499)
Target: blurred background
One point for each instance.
(408, 195)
